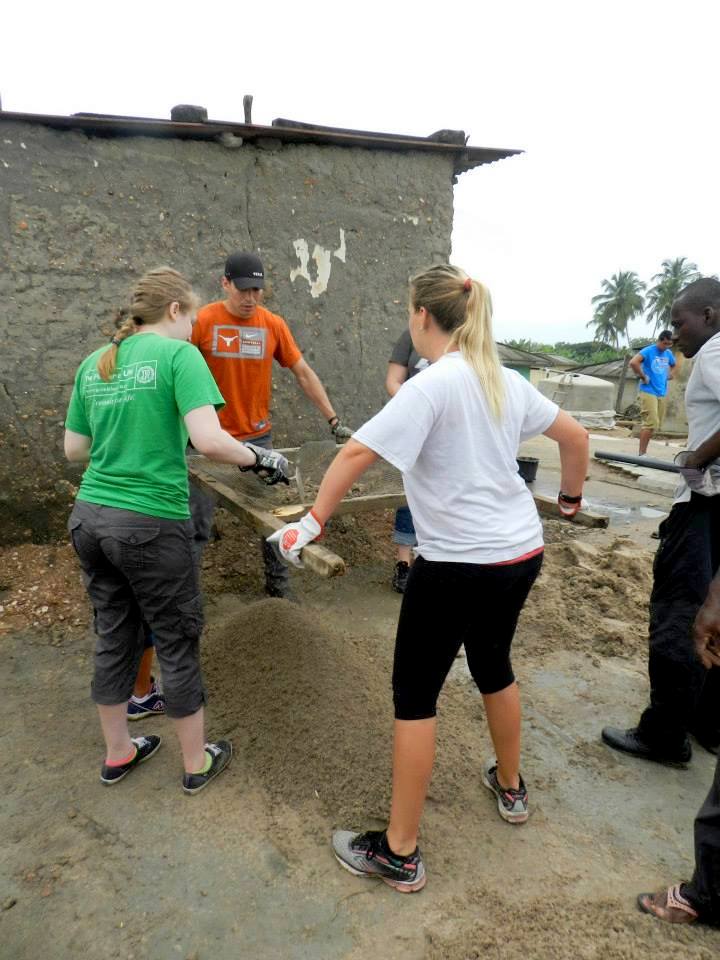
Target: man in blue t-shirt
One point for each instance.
(653, 365)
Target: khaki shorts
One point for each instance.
(652, 409)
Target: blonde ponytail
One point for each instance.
(151, 297)
(463, 308)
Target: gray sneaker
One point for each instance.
(368, 855)
(512, 804)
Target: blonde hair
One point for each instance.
(151, 297)
(462, 307)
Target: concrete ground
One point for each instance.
(244, 870)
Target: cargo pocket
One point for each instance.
(137, 547)
(190, 617)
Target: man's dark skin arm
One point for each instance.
(706, 629)
(708, 451)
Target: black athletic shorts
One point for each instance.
(449, 604)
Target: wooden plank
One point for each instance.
(376, 501)
(548, 507)
(315, 557)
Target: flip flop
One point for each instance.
(669, 905)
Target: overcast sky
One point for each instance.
(615, 104)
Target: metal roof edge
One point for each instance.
(466, 157)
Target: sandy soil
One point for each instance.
(142, 872)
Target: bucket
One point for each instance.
(527, 468)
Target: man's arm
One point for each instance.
(397, 374)
(313, 389)
(705, 453)
(706, 630)
(636, 367)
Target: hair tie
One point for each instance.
(467, 285)
(115, 342)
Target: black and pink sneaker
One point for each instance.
(145, 747)
(512, 804)
(368, 855)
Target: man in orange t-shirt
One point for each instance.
(239, 339)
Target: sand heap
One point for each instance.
(563, 929)
(309, 708)
(589, 598)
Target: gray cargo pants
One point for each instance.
(136, 569)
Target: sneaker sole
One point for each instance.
(507, 817)
(111, 783)
(395, 884)
(147, 713)
(217, 773)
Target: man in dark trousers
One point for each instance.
(240, 339)
(684, 697)
(699, 900)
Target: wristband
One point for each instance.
(568, 499)
(334, 419)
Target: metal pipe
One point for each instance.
(665, 465)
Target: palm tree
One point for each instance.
(621, 301)
(667, 284)
(605, 331)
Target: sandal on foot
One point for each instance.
(669, 905)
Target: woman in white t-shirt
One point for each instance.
(453, 431)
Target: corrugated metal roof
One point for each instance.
(612, 368)
(510, 354)
(286, 131)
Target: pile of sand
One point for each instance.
(309, 708)
(589, 598)
(563, 929)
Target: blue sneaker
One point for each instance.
(152, 705)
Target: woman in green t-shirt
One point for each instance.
(134, 405)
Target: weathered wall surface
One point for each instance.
(81, 217)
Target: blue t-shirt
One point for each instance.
(656, 364)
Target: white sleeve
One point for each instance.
(710, 367)
(397, 433)
(540, 413)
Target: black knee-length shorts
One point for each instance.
(447, 605)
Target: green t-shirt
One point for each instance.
(137, 457)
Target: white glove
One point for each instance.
(289, 540)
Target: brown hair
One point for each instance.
(151, 297)
(462, 307)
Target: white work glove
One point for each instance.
(289, 540)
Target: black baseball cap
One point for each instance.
(245, 270)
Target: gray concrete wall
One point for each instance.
(81, 217)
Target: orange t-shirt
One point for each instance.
(240, 355)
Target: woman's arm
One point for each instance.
(574, 452)
(77, 447)
(209, 438)
(352, 461)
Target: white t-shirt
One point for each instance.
(702, 406)
(468, 501)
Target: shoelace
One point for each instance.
(369, 843)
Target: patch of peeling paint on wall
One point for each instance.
(323, 263)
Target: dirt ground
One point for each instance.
(142, 872)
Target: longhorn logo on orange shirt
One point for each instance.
(239, 343)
